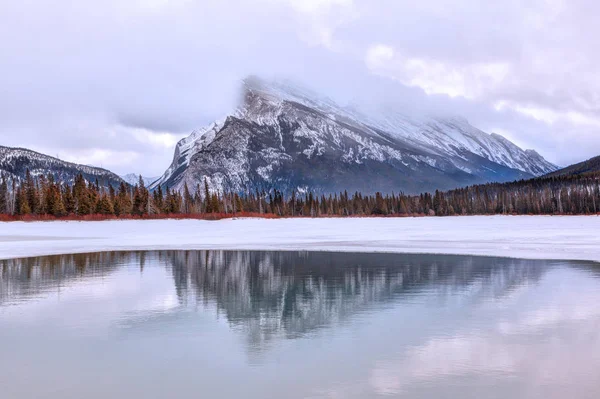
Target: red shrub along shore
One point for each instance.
(180, 216)
(205, 216)
(99, 217)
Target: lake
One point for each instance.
(244, 324)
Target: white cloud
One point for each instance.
(318, 6)
(162, 140)
(102, 157)
(379, 56)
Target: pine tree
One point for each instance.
(214, 203)
(3, 196)
(68, 200)
(105, 206)
(84, 203)
(167, 202)
(140, 198)
(47, 198)
(137, 207)
(81, 197)
(380, 206)
(188, 200)
(123, 204)
(56, 207)
(22, 203)
(93, 192)
(30, 193)
(238, 206)
(207, 198)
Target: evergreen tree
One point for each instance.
(81, 197)
(380, 205)
(30, 193)
(55, 204)
(4, 196)
(188, 200)
(123, 204)
(68, 200)
(22, 203)
(207, 198)
(105, 206)
(140, 198)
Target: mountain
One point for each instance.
(134, 179)
(14, 163)
(286, 137)
(586, 167)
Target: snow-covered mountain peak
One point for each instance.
(279, 124)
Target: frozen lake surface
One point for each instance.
(534, 237)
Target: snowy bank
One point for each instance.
(542, 237)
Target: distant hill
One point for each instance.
(14, 163)
(590, 166)
(133, 179)
(572, 190)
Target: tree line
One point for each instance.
(43, 196)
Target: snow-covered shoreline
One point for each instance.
(532, 237)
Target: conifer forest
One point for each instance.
(42, 197)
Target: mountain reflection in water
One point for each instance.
(285, 294)
(298, 324)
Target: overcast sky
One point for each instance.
(116, 83)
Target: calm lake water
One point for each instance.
(220, 324)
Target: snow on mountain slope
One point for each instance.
(450, 136)
(14, 163)
(286, 137)
(134, 179)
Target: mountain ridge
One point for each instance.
(591, 166)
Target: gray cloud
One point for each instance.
(118, 82)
